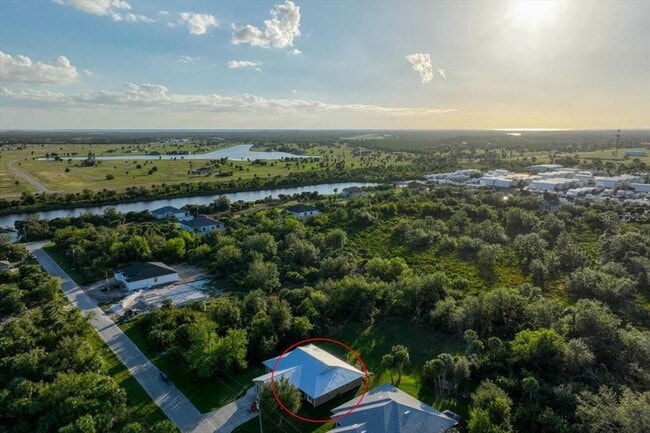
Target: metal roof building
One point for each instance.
(319, 375)
(386, 409)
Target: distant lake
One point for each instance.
(241, 152)
(178, 202)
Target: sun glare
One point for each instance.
(533, 15)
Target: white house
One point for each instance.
(319, 375)
(303, 211)
(145, 275)
(11, 234)
(201, 225)
(352, 191)
(170, 212)
(386, 409)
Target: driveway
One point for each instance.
(172, 402)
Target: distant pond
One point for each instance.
(240, 152)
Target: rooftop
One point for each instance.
(386, 409)
(201, 221)
(301, 208)
(313, 370)
(166, 209)
(144, 271)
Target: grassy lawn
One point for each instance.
(205, 394)
(62, 260)
(372, 341)
(140, 407)
(126, 174)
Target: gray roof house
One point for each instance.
(386, 409)
(302, 211)
(170, 212)
(10, 233)
(319, 375)
(146, 275)
(201, 224)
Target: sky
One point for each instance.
(128, 64)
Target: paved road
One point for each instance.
(175, 405)
(24, 176)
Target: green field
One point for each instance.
(51, 175)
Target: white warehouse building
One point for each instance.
(553, 184)
(616, 181)
(641, 187)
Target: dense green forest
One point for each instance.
(55, 374)
(547, 312)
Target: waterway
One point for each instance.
(139, 206)
(240, 152)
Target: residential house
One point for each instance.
(11, 234)
(201, 225)
(386, 409)
(145, 275)
(303, 211)
(170, 212)
(353, 191)
(418, 187)
(319, 375)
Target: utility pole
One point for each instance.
(259, 409)
(618, 136)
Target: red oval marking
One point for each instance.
(364, 369)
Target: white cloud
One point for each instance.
(23, 69)
(294, 52)
(188, 59)
(442, 73)
(279, 31)
(153, 96)
(240, 64)
(163, 13)
(88, 73)
(421, 63)
(133, 18)
(294, 91)
(198, 24)
(116, 9)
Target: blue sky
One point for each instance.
(195, 64)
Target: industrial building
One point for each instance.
(553, 184)
(540, 168)
(616, 181)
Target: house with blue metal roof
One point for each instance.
(319, 375)
(386, 409)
